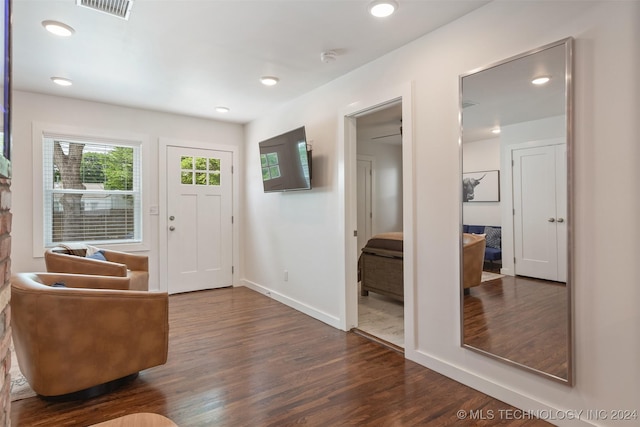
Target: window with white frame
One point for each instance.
(91, 191)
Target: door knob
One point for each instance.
(172, 228)
(551, 220)
(560, 219)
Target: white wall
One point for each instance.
(298, 232)
(30, 107)
(387, 200)
(294, 231)
(534, 130)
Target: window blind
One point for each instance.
(92, 191)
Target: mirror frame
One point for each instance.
(569, 66)
(5, 88)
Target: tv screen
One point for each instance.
(285, 161)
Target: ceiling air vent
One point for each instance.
(119, 8)
(467, 104)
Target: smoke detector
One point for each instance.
(328, 56)
(118, 8)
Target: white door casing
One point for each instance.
(199, 219)
(347, 158)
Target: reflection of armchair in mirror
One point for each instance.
(473, 247)
(516, 121)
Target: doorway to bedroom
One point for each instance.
(380, 216)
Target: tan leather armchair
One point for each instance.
(120, 264)
(83, 337)
(473, 246)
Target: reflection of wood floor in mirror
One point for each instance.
(382, 318)
(521, 319)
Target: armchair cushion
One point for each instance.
(99, 255)
(494, 237)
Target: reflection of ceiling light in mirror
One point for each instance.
(495, 131)
(58, 28)
(269, 80)
(61, 81)
(541, 80)
(382, 8)
(222, 109)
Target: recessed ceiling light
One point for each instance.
(61, 81)
(58, 28)
(382, 8)
(269, 80)
(541, 80)
(221, 109)
(495, 131)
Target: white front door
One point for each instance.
(199, 226)
(539, 196)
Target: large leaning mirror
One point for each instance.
(516, 211)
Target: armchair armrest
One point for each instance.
(132, 261)
(473, 259)
(63, 263)
(81, 280)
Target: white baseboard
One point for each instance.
(556, 416)
(302, 307)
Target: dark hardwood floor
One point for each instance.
(238, 358)
(522, 319)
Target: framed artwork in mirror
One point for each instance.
(481, 186)
(5, 87)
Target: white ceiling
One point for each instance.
(189, 56)
(503, 94)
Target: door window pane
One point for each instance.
(186, 162)
(201, 163)
(186, 178)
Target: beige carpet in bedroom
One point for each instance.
(382, 317)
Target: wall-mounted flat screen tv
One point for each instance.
(286, 162)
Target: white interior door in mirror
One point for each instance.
(539, 183)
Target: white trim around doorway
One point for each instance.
(347, 185)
